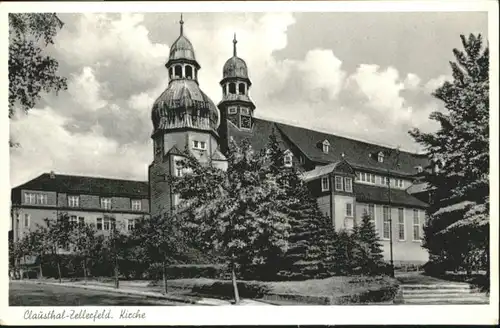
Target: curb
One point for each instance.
(119, 291)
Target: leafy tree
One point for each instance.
(30, 71)
(115, 245)
(309, 251)
(459, 211)
(84, 242)
(369, 250)
(161, 238)
(236, 212)
(56, 237)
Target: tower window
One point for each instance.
(232, 88)
(246, 122)
(178, 71)
(189, 72)
(171, 72)
(241, 88)
(232, 110)
(245, 111)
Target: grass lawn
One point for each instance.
(27, 294)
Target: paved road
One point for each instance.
(24, 294)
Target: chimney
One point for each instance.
(52, 175)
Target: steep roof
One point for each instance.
(374, 194)
(87, 185)
(359, 154)
(356, 152)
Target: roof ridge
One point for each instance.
(340, 136)
(91, 177)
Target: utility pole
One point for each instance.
(394, 165)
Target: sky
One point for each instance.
(368, 76)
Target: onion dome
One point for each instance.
(235, 67)
(183, 104)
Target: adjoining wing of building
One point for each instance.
(347, 176)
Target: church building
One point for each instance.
(348, 177)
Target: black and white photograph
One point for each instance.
(258, 158)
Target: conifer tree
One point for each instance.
(459, 212)
(309, 250)
(369, 255)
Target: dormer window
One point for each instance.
(287, 159)
(380, 157)
(325, 146)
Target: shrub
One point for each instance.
(249, 289)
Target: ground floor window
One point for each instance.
(401, 224)
(387, 222)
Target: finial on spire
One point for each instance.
(182, 25)
(234, 45)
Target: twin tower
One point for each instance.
(185, 118)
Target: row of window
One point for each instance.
(341, 184)
(35, 199)
(199, 145)
(178, 72)
(378, 179)
(243, 110)
(101, 224)
(74, 201)
(401, 225)
(231, 88)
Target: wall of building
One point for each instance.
(404, 251)
(341, 221)
(37, 217)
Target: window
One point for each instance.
(246, 122)
(178, 172)
(326, 146)
(339, 183)
(171, 72)
(73, 201)
(232, 88)
(136, 204)
(400, 183)
(416, 226)
(241, 88)
(189, 72)
(386, 180)
(348, 184)
(200, 145)
(157, 146)
(401, 224)
(245, 111)
(381, 157)
(302, 160)
(29, 198)
(108, 222)
(106, 203)
(130, 224)
(232, 110)
(372, 178)
(98, 224)
(387, 222)
(325, 184)
(41, 199)
(348, 209)
(358, 176)
(26, 220)
(367, 177)
(178, 71)
(73, 220)
(371, 211)
(419, 169)
(287, 159)
(81, 221)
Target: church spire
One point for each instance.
(234, 45)
(181, 22)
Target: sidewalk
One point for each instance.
(141, 289)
